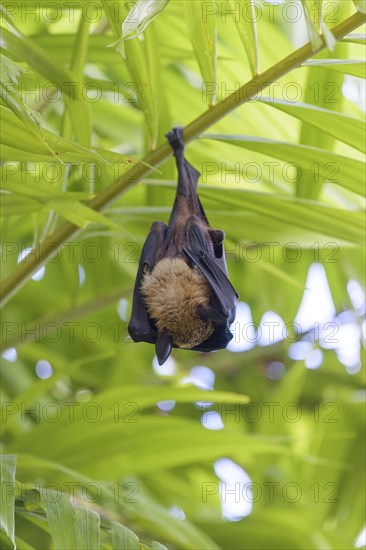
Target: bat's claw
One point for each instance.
(175, 138)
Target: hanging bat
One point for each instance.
(183, 297)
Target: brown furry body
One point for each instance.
(172, 293)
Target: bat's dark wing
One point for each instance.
(140, 328)
(214, 269)
(219, 339)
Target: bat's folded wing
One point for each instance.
(224, 301)
(140, 328)
(225, 295)
(219, 339)
(202, 254)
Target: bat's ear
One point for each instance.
(163, 347)
(209, 313)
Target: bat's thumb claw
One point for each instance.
(163, 347)
(175, 138)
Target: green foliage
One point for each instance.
(102, 448)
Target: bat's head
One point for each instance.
(175, 295)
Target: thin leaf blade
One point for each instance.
(348, 129)
(349, 172)
(123, 538)
(247, 29)
(60, 518)
(87, 525)
(202, 31)
(7, 486)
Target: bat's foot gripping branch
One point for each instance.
(175, 138)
